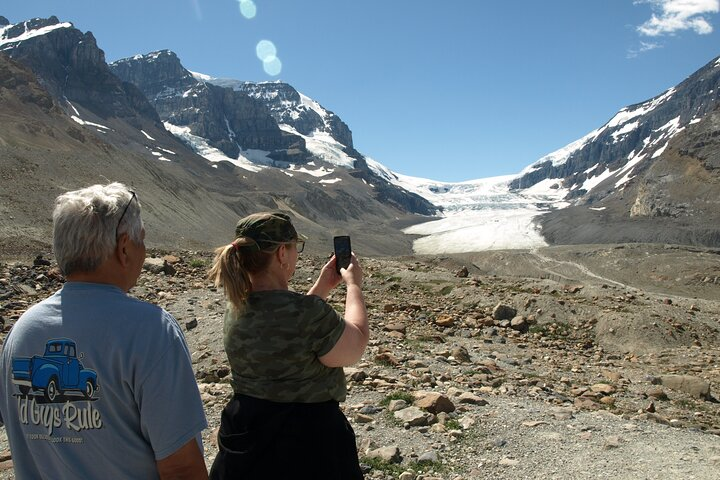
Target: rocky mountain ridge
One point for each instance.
(637, 132)
(67, 121)
(648, 175)
(230, 122)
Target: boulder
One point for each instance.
(694, 386)
(504, 312)
(435, 402)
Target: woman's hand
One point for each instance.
(328, 279)
(353, 275)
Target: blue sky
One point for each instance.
(449, 90)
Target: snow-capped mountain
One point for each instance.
(198, 154)
(252, 125)
(649, 174)
(608, 157)
(292, 110)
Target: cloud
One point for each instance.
(671, 16)
(644, 47)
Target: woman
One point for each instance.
(286, 351)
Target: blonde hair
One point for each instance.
(233, 265)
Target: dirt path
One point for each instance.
(548, 265)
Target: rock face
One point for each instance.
(230, 120)
(20, 80)
(674, 199)
(58, 95)
(72, 67)
(650, 174)
(234, 115)
(638, 132)
(289, 107)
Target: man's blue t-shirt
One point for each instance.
(96, 384)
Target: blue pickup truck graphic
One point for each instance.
(56, 372)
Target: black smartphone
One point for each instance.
(342, 252)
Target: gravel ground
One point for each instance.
(578, 395)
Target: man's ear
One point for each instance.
(121, 253)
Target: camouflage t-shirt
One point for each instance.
(273, 345)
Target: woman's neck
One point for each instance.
(266, 282)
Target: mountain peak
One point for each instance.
(164, 54)
(12, 34)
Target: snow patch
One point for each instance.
(660, 150)
(593, 182)
(559, 157)
(91, 124)
(627, 170)
(625, 115)
(72, 106)
(30, 33)
(246, 160)
(201, 77)
(319, 172)
(627, 128)
(324, 146)
(160, 156)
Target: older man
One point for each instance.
(97, 384)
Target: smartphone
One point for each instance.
(342, 252)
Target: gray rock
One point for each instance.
(430, 456)
(472, 399)
(503, 312)
(158, 266)
(460, 354)
(389, 454)
(396, 405)
(519, 323)
(414, 417)
(695, 386)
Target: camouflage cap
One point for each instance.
(271, 227)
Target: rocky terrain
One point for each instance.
(564, 362)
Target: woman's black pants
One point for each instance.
(264, 440)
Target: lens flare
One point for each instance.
(265, 49)
(272, 66)
(248, 9)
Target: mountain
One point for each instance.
(255, 123)
(231, 122)
(650, 174)
(205, 149)
(66, 121)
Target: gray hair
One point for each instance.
(87, 223)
